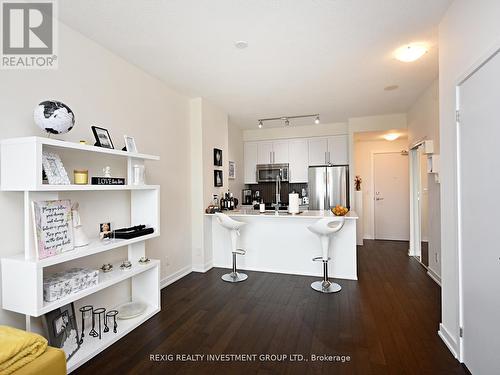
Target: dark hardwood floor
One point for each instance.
(386, 322)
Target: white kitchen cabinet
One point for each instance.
(318, 151)
(338, 149)
(281, 152)
(299, 160)
(250, 159)
(265, 152)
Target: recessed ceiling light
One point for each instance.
(391, 136)
(241, 44)
(391, 88)
(411, 52)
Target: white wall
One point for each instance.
(363, 151)
(102, 89)
(423, 123)
(469, 30)
(235, 152)
(208, 130)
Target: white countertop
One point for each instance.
(316, 214)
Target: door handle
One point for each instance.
(379, 199)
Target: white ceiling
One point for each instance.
(304, 56)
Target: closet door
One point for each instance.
(479, 166)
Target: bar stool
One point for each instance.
(324, 229)
(233, 227)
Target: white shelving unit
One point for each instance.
(21, 170)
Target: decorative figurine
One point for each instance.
(107, 171)
(80, 238)
(107, 267)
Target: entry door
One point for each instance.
(479, 166)
(391, 196)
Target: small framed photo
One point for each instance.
(217, 157)
(62, 331)
(130, 144)
(232, 170)
(218, 178)
(102, 137)
(54, 169)
(105, 231)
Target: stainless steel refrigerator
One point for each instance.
(328, 186)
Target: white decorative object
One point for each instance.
(139, 175)
(54, 117)
(80, 238)
(107, 171)
(130, 144)
(293, 203)
(54, 169)
(131, 310)
(53, 227)
(62, 284)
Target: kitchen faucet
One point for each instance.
(278, 193)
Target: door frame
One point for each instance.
(463, 78)
(372, 176)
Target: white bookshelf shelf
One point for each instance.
(105, 280)
(89, 187)
(92, 345)
(95, 247)
(23, 273)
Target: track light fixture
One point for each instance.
(286, 119)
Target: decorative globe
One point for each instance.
(54, 117)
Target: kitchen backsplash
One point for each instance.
(268, 190)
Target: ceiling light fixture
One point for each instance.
(391, 136)
(411, 52)
(241, 44)
(286, 119)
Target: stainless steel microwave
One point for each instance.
(270, 172)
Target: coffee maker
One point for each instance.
(247, 196)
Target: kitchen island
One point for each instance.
(282, 243)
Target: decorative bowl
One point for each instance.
(339, 210)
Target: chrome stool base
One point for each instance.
(234, 277)
(326, 287)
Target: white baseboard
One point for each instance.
(175, 276)
(434, 276)
(448, 339)
(202, 267)
(368, 237)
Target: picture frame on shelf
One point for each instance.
(232, 170)
(218, 178)
(130, 145)
(62, 330)
(53, 227)
(217, 157)
(102, 137)
(54, 169)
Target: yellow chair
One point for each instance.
(52, 362)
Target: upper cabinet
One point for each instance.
(272, 152)
(265, 152)
(338, 149)
(281, 152)
(298, 161)
(250, 161)
(318, 151)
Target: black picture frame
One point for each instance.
(61, 326)
(102, 137)
(218, 178)
(217, 157)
